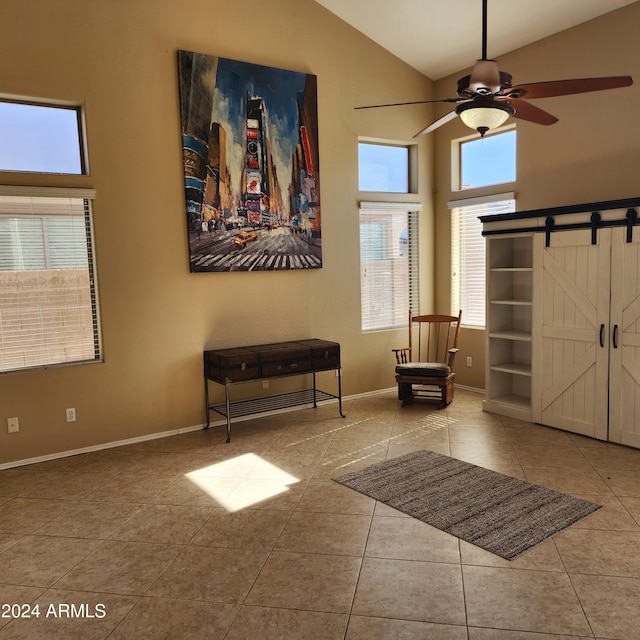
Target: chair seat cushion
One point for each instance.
(424, 369)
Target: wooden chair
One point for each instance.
(429, 358)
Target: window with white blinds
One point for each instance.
(388, 264)
(468, 254)
(48, 293)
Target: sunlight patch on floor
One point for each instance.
(426, 424)
(242, 481)
(433, 422)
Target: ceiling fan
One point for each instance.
(486, 99)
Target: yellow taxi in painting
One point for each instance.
(244, 238)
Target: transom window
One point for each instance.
(488, 161)
(42, 138)
(383, 167)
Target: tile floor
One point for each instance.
(188, 537)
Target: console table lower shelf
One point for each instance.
(260, 362)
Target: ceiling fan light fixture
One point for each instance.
(484, 115)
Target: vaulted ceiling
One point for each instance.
(440, 37)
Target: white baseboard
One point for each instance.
(156, 436)
(473, 389)
(198, 427)
(97, 447)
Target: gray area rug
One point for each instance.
(498, 513)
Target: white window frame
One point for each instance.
(54, 321)
(468, 264)
(389, 283)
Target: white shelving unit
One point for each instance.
(563, 318)
(509, 313)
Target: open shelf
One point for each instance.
(517, 368)
(523, 336)
(509, 325)
(511, 253)
(511, 405)
(521, 402)
(512, 302)
(272, 403)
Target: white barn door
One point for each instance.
(574, 288)
(624, 384)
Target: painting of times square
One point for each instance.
(250, 150)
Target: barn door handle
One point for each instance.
(615, 336)
(602, 335)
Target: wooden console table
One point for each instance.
(279, 359)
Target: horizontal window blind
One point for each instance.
(48, 294)
(468, 282)
(389, 274)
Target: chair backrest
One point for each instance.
(432, 337)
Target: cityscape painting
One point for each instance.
(251, 178)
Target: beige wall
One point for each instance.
(591, 154)
(118, 59)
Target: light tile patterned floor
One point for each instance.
(189, 537)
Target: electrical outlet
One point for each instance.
(71, 415)
(265, 384)
(469, 361)
(12, 425)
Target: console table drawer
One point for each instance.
(231, 364)
(284, 367)
(324, 354)
(283, 358)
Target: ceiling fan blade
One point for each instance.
(569, 87)
(452, 115)
(403, 104)
(531, 113)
